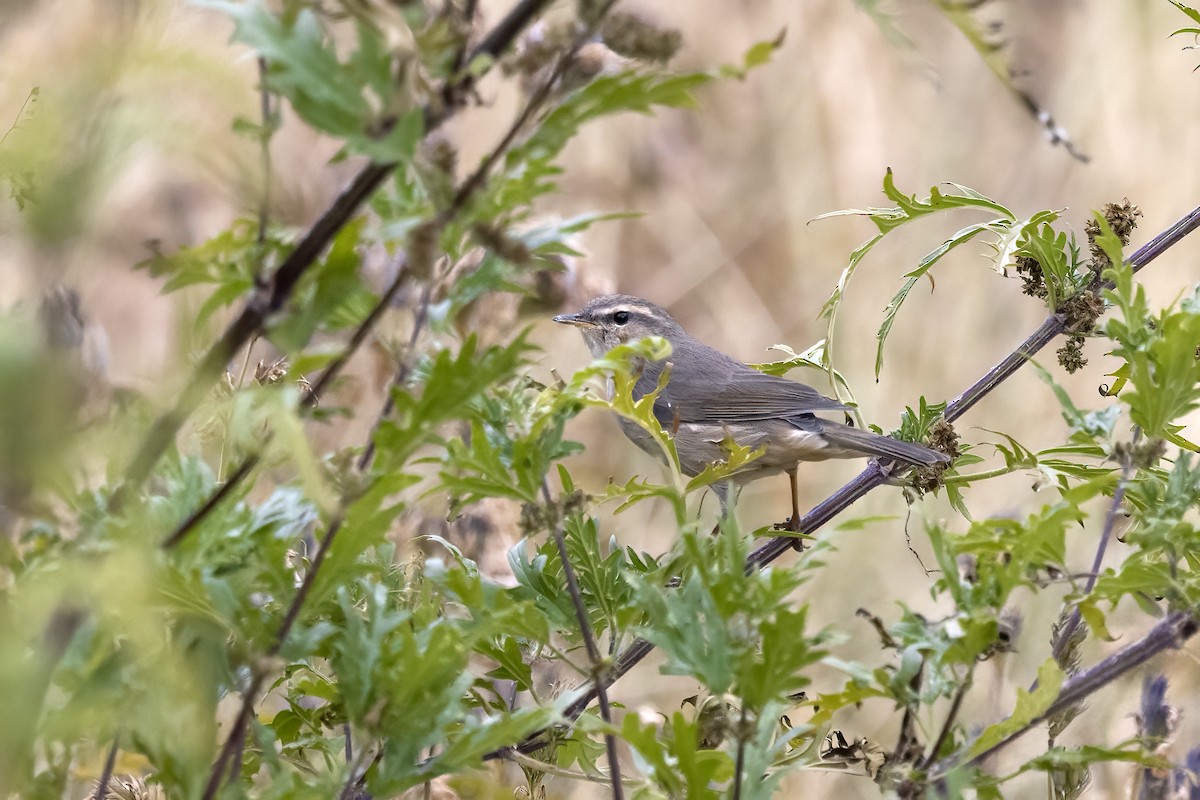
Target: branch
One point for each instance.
(106, 775)
(874, 475)
(1062, 640)
(589, 643)
(1176, 628)
(948, 723)
(268, 300)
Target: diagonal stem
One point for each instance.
(589, 643)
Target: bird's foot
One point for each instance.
(792, 525)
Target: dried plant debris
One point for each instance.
(837, 751)
(944, 438)
(1122, 219)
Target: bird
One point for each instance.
(711, 397)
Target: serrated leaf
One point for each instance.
(1030, 706)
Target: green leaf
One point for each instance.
(1030, 706)
(907, 209)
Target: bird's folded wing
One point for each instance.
(747, 396)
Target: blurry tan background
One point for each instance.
(144, 94)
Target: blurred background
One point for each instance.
(135, 100)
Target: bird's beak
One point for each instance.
(574, 319)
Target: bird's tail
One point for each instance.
(872, 444)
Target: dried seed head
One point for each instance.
(635, 37)
(423, 245)
(129, 787)
(1068, 657)
(267, 374)
(1139, 455)
(497, 240)
(537, 50)
(943, 437)
(1122, 219)
(1081, 310)
(1033, 283)
(1070, 355)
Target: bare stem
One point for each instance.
(264, 205)
(106, 774)
(1062, 640)
(589, 643)
(948, 723)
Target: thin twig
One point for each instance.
(948, 723)
(264, 206)
(106, 775)
(589, 642)
(740, 761)
(353, 774)
(214, 500)
(401, 377)
(33, 93)
(1062, 640)
(268, 300)
(239, 755)
(874, 475)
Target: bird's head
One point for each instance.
(619, 318)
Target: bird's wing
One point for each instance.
(739, 395)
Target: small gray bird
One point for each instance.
(710, 395)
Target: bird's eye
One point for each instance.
(621, 317)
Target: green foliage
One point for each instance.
(354, 99)
(367, 664)
(1192, 14)
(1009, 236)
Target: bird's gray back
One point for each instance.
(708, 387)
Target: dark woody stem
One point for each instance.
(874, 475)
(595, 660)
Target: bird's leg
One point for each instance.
(794, 521)
(722, 490)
